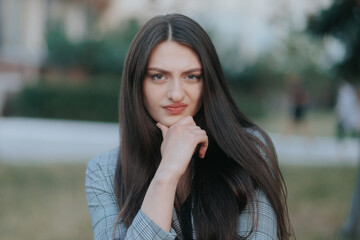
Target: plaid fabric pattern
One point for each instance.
(103, 209)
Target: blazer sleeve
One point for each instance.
(266, 228)
(104, 210)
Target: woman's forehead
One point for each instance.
(170, 54)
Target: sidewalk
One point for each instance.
(316, 150)
(29, 140)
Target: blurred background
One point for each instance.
(293, 67)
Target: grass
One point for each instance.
(319, 199)
(318, 123)
(43, 202)
(48, 201)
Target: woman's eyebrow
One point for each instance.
(165, 71)
(157, 69)
(193, 70)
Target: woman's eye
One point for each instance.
(194, 77)
(157, 76)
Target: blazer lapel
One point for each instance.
(176, 226)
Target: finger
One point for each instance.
(193, 128)
(163, 129)
(203, 146)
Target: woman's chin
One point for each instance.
(169, 122)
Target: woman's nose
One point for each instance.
(176, 91)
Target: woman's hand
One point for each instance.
(181, 140)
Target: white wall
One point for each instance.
(23, 25)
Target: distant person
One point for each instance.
(190, 165)
(298, 101)
(347, 111)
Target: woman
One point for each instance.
(190, 164)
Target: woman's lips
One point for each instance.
(176, 108)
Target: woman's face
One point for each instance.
(173, 83)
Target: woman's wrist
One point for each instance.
(166, 176)
(159, 199)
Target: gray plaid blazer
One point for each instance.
(101, 201)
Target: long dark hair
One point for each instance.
(240, 158)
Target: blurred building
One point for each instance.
(23, 25)
(23, 28)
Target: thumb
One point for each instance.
(163, 129)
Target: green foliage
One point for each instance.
(251, 85)
(258, 85)
(96, 100)
(250, 104)
(304, 55)
(297, 54)
(104, 55)
(341, 20)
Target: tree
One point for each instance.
(342, 20)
